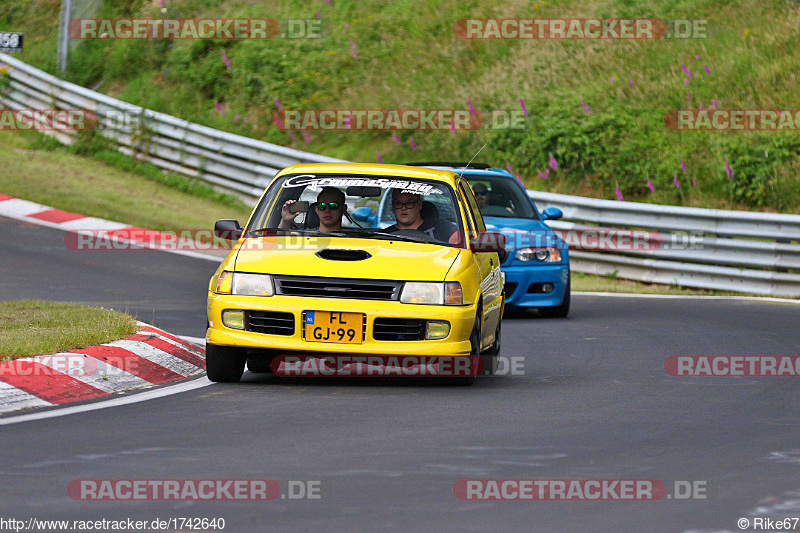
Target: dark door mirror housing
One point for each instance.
(227, 229)
(489, 242)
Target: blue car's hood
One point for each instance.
(523, 232)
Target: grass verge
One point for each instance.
(35, 327)
(593, 283)
(109, 185)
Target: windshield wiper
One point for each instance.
(382, 234)
(290, 231)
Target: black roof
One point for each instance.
(479, 166)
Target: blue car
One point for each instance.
(536, 269)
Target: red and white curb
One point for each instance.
(147, 358)
(42, 215)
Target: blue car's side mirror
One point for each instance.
(363, 214)
(552, 213)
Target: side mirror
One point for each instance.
(227, 229)
(362, 214)
(489, 242)
(552, 213)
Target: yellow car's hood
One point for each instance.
(395, 260)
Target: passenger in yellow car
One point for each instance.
(330, 207)
(407, 208)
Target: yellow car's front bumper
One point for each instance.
(461, 319)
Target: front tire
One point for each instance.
(474, 354)
(224, 364)
(489, 357)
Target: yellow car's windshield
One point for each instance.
(364, 206)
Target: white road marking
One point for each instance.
(688, 297)
(115, 402)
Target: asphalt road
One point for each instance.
(593, 402)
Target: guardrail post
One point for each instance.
(63, 35)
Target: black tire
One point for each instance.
(489, 357)
(475, 350)
(560, 311)
(224, 364)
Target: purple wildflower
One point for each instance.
(728, 169)
(306, 138)
(412, 144)
(226, 60)
(618, 192)
(396, 140)
(236, 118)
(694, 182)
(675, 181)
(471, 108)
(706, 67)
(650, 185)
(586, 107)
(522, 105)
(378, 156)
(683, 167)
(553, 163)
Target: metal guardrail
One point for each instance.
(233, 162)
(731, 250)
(703, 248)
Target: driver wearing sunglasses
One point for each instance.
(481, 194)
(407, 208)
(330, 207)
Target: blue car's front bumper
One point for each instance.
(523, 284)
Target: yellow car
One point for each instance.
(306, 277)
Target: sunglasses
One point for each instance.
(407, 205)
(323, 206)
(481, 193)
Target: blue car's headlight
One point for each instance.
(543, 255)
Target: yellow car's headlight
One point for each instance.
(426, 293)
(252, 284)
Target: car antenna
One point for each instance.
(470, 161)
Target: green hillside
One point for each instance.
(597, 107)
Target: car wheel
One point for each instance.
(475, 350)
(559, 311)
(489, 357)
(224, 364)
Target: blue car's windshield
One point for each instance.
(501, 196)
